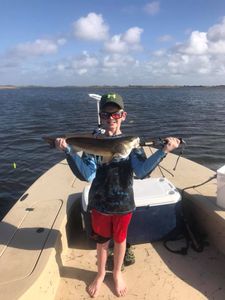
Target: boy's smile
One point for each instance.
(111, 119)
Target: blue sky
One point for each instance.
(112, 42)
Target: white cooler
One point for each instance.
(158, 204)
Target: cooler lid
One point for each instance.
(155, 191)
(147, 192)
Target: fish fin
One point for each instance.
(120, 156)
(121, 151)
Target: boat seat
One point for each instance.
(22, 247)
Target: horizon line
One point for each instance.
(11, 86)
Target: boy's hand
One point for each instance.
(171, 144)
(61, 143)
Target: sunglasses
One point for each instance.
(115, 115)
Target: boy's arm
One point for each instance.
(82, 167)
(142, 165)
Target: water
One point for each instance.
(193, 113)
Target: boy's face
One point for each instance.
(112, 117)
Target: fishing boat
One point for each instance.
(45, 253)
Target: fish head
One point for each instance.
(125, 146)
(135, 142)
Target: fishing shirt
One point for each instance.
(111, 189)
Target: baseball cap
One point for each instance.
(111, 98)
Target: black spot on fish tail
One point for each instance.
(50, 141)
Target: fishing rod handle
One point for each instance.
(158, 142)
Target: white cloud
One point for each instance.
(60, 67)
(165, 38)
(133, 35)
(102, 69)
(197, 44)
(85, 60)
(217, 32)
(199, 59)
(122, 43)
(118, 61)
(159, 52)
(91, 27)
(216, 38)
(37, 48)
(22, 53)
(80, 64)
(61, 41)
(205, 43)
(186, 64)
(217, 47)
(152, 8)
(211, 43)
(82, 71)
(116, 44)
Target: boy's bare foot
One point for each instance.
(94, 287)
(120, 284)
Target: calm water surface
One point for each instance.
(195, 114)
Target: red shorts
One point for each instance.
(110, 226)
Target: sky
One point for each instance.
(112, 42)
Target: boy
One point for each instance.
(111, 200)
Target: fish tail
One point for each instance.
(50, 141)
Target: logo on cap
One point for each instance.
(111, 96)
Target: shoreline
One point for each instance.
(7, 87)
